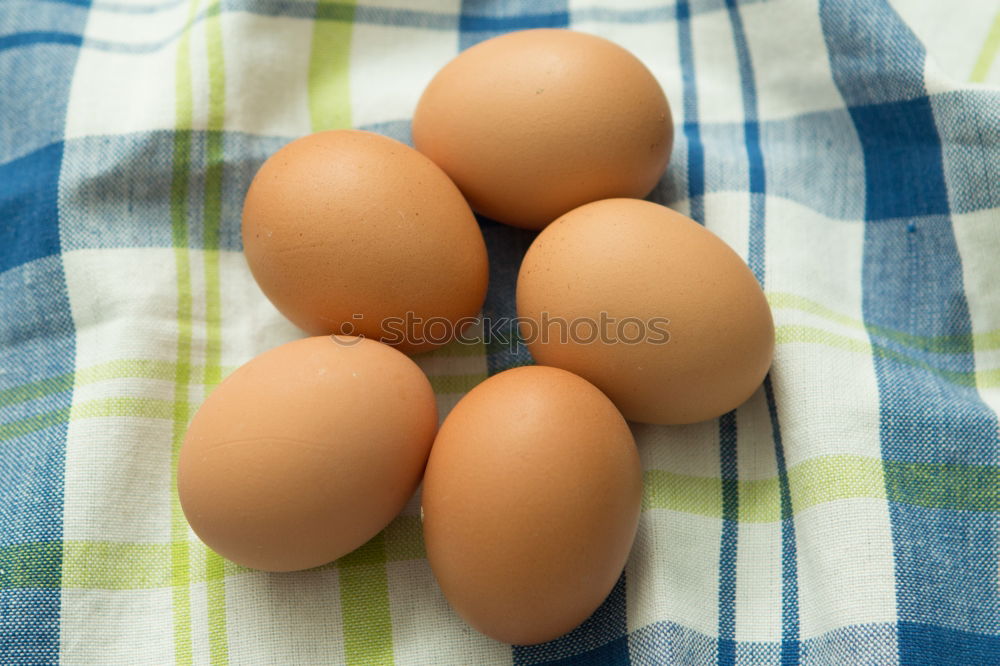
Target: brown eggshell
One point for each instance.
(630, 258)
(306, 452)
(531, 501)
(345, 229)
(532, 124)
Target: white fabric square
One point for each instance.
(977, 236)
(792, 72)
(284, 618)
(727, 215)
(847, 574)
(200, 650)
(391, 66)
(124, 304)
(674, 566)
(682, 449)
(125, 78)
(716, 69)
(102, 627)
(267, 83)
(954, 34)
(755, 440)
(244, 308)
(138, 29)
(822, 343)
(117, 485)
(831, 405)
(758, 582)
(613, 6)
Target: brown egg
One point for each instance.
(348, 231)
(654, 309)
(306, 452)
(532, 124)
(531, 501)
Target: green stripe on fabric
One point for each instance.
(137, 369)
(813, 482)
(329, 82)
(944, 486)
(37, 389)
(938, 344)
(124, 407)
(831, 478)
(988, 53)
(117, 566)
(809, 334)
(33, 423)
(105, 565)
(680, 492)
(364, 604)
(101, 407)
(128, 566)
(142, 369)
(179, 555)
(218, 642)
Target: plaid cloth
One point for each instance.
(848, 149)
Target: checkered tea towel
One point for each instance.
(849, 150)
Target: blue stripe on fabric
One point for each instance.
(751, 130)
(946, 562)
(32, 38)
(904, 171)
(728, 452)
(790, 647)
(790, 641)
(482, 19)
(696, 155)
(125, 7)
(73, 3)
(887, 99)
(930, 645)
(29, 206)
(501, 24)
(730, 536)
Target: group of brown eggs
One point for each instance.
(532, 484)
